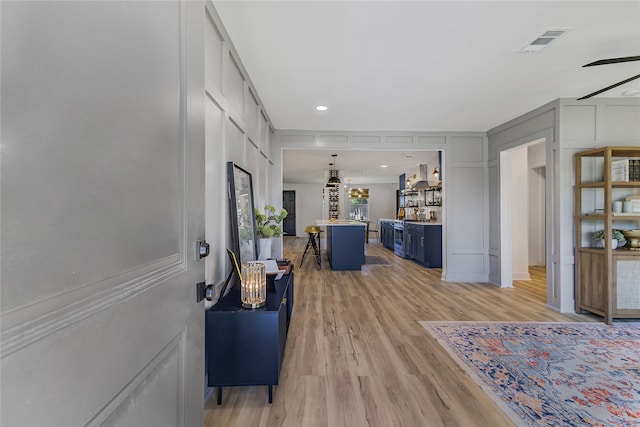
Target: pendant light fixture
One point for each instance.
(334, 175)
(329, 184)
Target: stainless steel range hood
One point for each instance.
(423, 178)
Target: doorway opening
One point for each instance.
(523, 214)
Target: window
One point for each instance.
(359, 204)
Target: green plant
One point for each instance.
(268, 223)
(616, 234)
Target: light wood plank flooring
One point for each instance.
(356, 355)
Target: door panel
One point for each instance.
(289, 203)
(102, 203)
(84, 160)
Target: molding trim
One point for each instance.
(110, 414)
(24, 326)
(521, 276)
(456, 277)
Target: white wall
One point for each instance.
(382, 200)
(536, 155)
(519, 193)
(308, 205)
(238, 129)
(537, 183)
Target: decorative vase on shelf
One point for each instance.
(617, 238)
(614, 243)
(265, 249)
(269, 225)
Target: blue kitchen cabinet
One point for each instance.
(423, 243)
(386, 234)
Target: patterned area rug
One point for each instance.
(375, 260)
(552, 374)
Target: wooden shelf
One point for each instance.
(614, 184)
(605, 281)
(616, 216)
(613, 150)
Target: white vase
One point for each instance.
(265, 249)
(614, 243)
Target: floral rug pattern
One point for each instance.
(552, 374)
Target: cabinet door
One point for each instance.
(409, 240)
(244, 348)
(289, 295)
(592, 279)
(433, 246)
(390, 236)
(420, 244)
(387, 234)
(282, 336)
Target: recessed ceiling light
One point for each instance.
(321, 107)
(383, 166)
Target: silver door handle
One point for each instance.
(202, 249)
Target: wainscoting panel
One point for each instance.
(467, 200)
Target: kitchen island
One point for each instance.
(345, 243)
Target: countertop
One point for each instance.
(408, 221)
(327, 223)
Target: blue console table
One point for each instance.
(243, 346)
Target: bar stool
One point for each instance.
(313, 243)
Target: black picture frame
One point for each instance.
(244, 235)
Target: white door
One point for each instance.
(102, 201)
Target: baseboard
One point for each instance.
(521, 276)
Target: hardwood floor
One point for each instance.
(356, 355)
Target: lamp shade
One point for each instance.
(253, 285)
(334, 175)
(334, 178)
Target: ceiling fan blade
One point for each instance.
(610, 87)
(613, 61)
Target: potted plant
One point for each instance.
(268, 225)
(616, 236)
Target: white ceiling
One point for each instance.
(425, 65)
(355, 166)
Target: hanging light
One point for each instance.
(334, 175)
(435, 182)
(329, 183)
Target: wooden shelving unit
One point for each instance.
(333, 198)
(607, 280)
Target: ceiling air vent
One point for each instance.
(543, 40)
